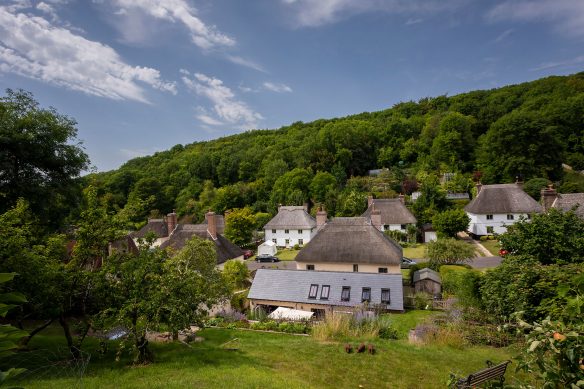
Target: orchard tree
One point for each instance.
(448, 223)
(552, 237)
(40, 157)
(240, 225)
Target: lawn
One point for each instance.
(416, 252)
(287, 254)
(491, 245)
(267, 360)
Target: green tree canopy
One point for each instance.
(449, 252)
(448, 223)
(240, 225)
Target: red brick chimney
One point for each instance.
(211, 224)
(548, 196)
(171, 221)
(375, 217)
(369, 201)
(320, 218)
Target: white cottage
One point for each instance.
(292, 225)
(497, 206)
(394, 214)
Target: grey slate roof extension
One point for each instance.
(291, 217)
(294, 285)
(157, 226)
(393, 211)
(501, 199)
(351, 240)
(567, 201)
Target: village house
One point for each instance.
(351, 244)
(293, 225)
(394, 214)
(497, 206)
(325, 292)
(173, 235)
(550, 198)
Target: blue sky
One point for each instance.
(140, 76)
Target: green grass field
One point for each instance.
(492, 246)
(267, 360)
(415, 252)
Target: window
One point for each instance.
(510, 217)
(313, 291)
(286, 231)
(490, 230)
(324, 292)
(385, 296)
(403, 226)
(366, 295)
(385, 227)
(300, 231)
(309, 267)
(355, 268)
(273, 231)
(300, 242)
(346, 293)
(382, 270)
(528, 216)
(287, 242)
(274, 240)
(489, 217)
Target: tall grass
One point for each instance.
(343, 326)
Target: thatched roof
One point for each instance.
(291, 217)
(568, 201)
(294, 286)
(184, 232)
(351, 240)
(393, 211)
(219, 223)
(502, 198)
(157, 226)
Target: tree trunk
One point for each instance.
(24, 341)
(67, 331)
(144, 355)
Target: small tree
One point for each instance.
(449, 252)
(240, 225)
(236, 274)
(448, 223)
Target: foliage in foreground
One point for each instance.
(9, 335)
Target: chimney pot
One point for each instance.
(548, 196)
(211, 224)
(321, 217)
(171, 222)
(375, 217)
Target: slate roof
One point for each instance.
(393, 211)
(502, 198)
(184, 232)
(351, 240)
(567, 201)
(292, 217)
(294, 285)
(158, 226)
(425, 274)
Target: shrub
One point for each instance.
(359, 325)
(388, 333)
(257, 313)
(239, 301)
(484, 238)
(450, 222)
(422, 300)
(296, 247)
(449, 251)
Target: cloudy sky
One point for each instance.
(143, 75)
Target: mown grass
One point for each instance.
(491, 245)
(287, 254)
(266, 360)
(416, 252)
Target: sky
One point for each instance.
(141, 76)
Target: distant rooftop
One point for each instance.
(502, 198)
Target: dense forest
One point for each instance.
(526, 131)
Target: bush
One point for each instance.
(463, 283)
(359, 325)
(450, 222)
(484, 238)
(239, 301)
(296, 247)
(388, 333)
(422, 300)
(449, 251)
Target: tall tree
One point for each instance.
(40, 157)
(240, 225)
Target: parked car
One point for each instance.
(267, 258)
(406, 263)
(247, 254)
(503, 252)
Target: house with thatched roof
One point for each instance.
(550, 198)
(497, 206)
(173, 236)
(293, 225)
(351, 244)
(393, 212)
(324, 292)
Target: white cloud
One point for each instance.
(412, 21)
(574, 62)
(245, 62)
(203, 35)
(504, 35)
(279, 88)
(32, 47)
(318, 12)
(227, 108)
(565, 16)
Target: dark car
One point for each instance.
(247, 254)
(406, 263)
(267, 258)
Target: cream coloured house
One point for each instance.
(293, 225)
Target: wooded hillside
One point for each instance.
(526, 130)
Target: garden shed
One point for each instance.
(267, 248)
(427, 280)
